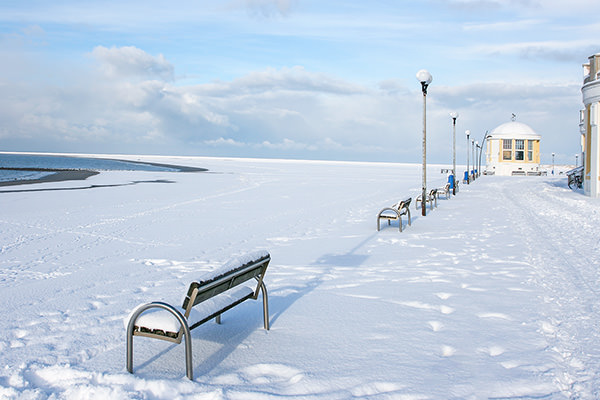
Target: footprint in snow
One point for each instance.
(493, 351)
(271, 373)
(436, 326)
(448, 351)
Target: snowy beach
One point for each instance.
(494, 294)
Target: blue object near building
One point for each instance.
(451, 181)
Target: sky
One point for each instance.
(301, 79)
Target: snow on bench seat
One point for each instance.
(162, 320)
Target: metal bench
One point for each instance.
(445, 191)
(431, 198)
(395, 212)
(207, 298)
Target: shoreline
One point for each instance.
(61, 175)
(56, 176)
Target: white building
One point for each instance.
(590, 119)
(513, 148)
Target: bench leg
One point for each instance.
(218, 319)
(265, 297)
(189, 367)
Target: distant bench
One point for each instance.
(207, 298)
(445, 191)
(430, 198)
(395, 212)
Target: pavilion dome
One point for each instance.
(514, 129)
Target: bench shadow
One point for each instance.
(325, 263)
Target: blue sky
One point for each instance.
(289, 78)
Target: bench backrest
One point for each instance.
(402, 204)
(231, 274)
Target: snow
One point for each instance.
(494, 294)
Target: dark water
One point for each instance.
(14, 166)
(67, 163)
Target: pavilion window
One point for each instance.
(507, 149)
(519, 149)
(530, 150)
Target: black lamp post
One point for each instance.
(468, 174)
(477, 154)
(425, 78)
(454, 115)
(473, 155)
(485, 137)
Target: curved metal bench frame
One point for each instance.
(430, 198)
(399, 209)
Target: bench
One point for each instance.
(207, 298)
(431, 198)
(445, 190)
(395, 212)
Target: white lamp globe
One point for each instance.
(424, 76)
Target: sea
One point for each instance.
(15, 167)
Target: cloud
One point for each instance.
(224, 142)
(572, 51)
(287, 112)
(294, 79)
(129, 61)
(504, 26)
(268, 8)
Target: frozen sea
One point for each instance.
(492, 295)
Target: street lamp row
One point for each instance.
(425, 78)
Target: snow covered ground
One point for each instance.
(493, 295)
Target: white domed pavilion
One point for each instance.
(513, 148)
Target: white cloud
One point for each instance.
(557, 50)
(285, 112)
(505, 26)
(224, 142)
(129, 61)
(268, 8)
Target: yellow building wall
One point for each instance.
(535, 158)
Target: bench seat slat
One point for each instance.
(161, 320)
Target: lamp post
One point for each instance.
(477, 153)
(454, 115)
(552, 163)
(473, 155)
(468, 174)
(425, 78)
(485, 137)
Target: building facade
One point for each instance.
(590, 118)
(513, 148)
